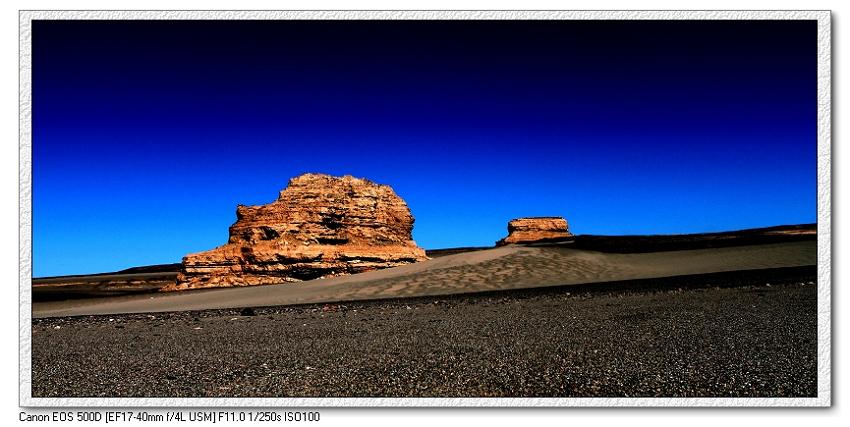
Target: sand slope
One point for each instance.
(493, 269)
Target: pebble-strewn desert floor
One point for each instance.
(543, 320)
(509, 267)
(681, 336)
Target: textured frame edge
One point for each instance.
(824, 192)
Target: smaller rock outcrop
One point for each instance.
(536, 229)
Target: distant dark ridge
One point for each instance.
(679, 242)
(157, 268)
(436, 253)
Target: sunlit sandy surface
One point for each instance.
(486, 270)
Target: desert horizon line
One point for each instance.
(698, 233)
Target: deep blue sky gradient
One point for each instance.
(146, 134)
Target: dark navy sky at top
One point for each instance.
(146, 134)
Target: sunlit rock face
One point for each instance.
(536, 229)
(319, 226)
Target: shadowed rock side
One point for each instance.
(537, 229)
(320, 226)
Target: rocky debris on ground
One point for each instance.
(536, 229)
(320, 226)
(747, 340)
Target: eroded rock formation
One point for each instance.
(319, 226)
(536, 229)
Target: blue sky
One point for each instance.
(147, 134)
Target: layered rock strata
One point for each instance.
(536, 229)
(319, 226)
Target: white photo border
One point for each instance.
(823, 18)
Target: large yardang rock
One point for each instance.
(320, 226)
(536, 229)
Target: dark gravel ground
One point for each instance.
(729, 334)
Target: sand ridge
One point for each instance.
(510, 267)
